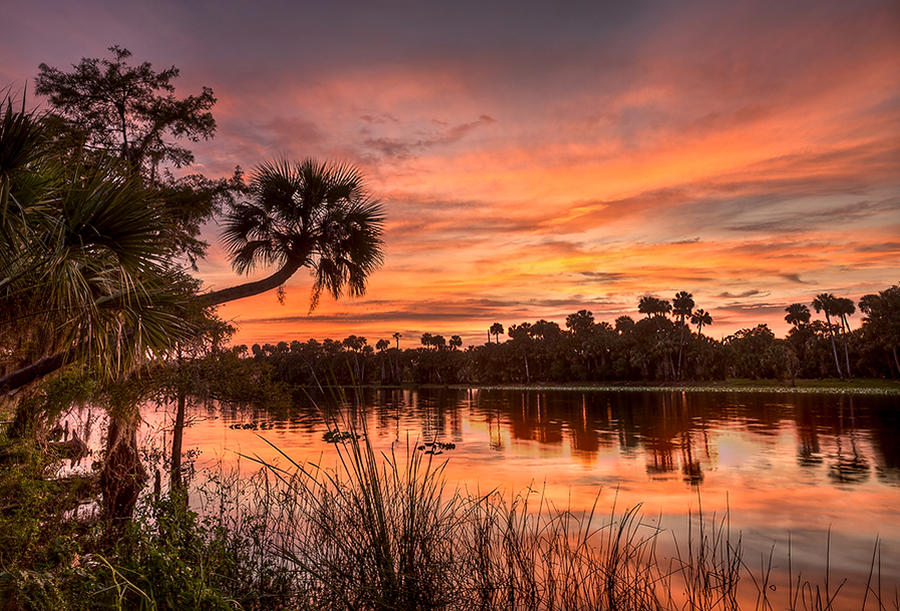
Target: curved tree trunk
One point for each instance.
(248, 289)
(35, 371)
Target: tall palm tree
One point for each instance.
(397, 337)
(309, 214)
(701, 318)
(496, 330)
(682, 307)
(844, 308)
(825, 302)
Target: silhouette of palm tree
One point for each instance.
(308, 214)
(825, 302)
(701, 318)
(653, 306)
(497, 330)
(797, 314)
(683, 306)
(844, 308)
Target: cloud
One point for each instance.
(793, 278)
(750, 293)
(404, 148)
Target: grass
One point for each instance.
(385, 532)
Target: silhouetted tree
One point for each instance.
(797, 314)
(701, 318)
(882, 320)
(825, 302)
(843, 309)
(314, 215)
(496, 330)
(653, 306)
(682, 307)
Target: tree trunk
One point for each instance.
(249, 289)
(680, 346)
(896, 360)
(35, 371)
(845, 328)
(837, 362)
(175, 483)
(123, 475)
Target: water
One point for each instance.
(784, 465)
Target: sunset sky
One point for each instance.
(534, 158)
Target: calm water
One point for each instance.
(798, 464)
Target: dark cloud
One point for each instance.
(793, 278)
(404, 148)
(750, 293)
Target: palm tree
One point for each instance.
(701, 318)
(653, 306)
(308, 214)
(683, 307)
(84, 274)
(797, 314)
(844, 308)
(397, 337)
(455, 342)
(382, 345)
(825, 302)
(496, 330)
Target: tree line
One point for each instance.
(667, 344)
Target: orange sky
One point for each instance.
(534, 162)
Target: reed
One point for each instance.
(386, 532)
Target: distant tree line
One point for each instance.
(666, 344)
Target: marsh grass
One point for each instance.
(384, 531)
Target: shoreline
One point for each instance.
(831, 387)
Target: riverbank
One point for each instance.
(862, 386)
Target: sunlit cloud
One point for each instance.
(534, 163)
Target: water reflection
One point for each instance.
(674, 435)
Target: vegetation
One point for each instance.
(657, 349)
(387, 533)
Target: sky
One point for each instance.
(537, 158)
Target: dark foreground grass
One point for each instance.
(386, 532)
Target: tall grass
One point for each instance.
(386, 532)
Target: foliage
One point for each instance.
(305, 215)
(128, 111)
(590, 351)
(82, 266)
